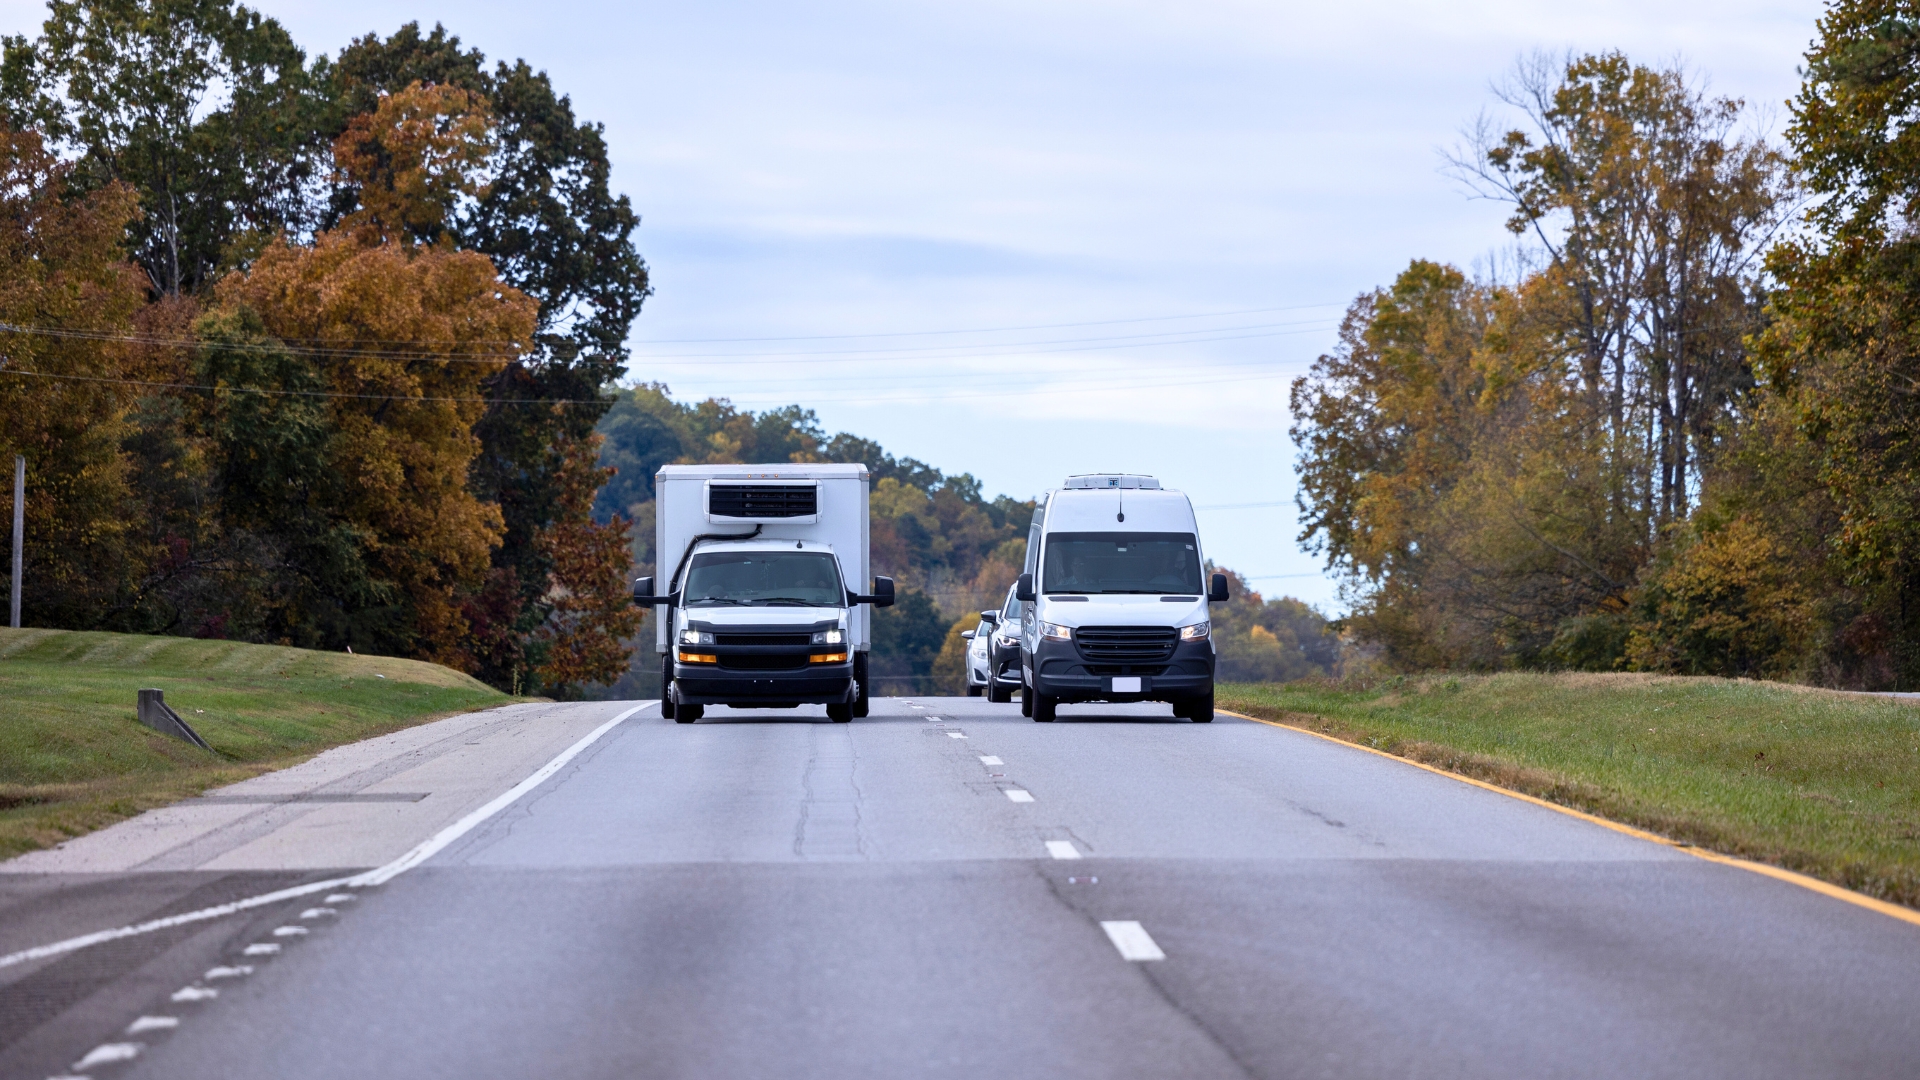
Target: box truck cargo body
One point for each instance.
(762, 587)
(1115, 605)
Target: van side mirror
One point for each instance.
(991, 618)
(1023, 589)
(1217, 589)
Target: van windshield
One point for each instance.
(1116, 562)
(769, 578)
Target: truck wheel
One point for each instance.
(840, 714)
(860, 704)
(1043, 709)
(999, 696)
(1026, 702)
(666, 687)
(687, 714)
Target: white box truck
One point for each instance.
(1114, 606)
(759, 608)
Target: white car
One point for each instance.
(978, 656)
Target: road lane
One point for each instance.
(773, 895)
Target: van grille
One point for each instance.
(763, 500)
(1126, 644)
(764, 661)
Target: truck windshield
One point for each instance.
(771, 578)
(1118, 562)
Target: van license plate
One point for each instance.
(1126, 684)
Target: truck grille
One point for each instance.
(774, 662)
(763, 500)
(762, 639)
(1126, 644)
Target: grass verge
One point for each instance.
(73, 757)
(1820, 782)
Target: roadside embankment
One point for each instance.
(73, 757)
(1821, 782)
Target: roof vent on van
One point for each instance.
(794, 501)
(1112, 480)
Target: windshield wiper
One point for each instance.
(786, 600)
(715, 600)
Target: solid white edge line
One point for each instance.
(1132, 940)
(377, 876)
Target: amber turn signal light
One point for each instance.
(698, 658)
(828, 658)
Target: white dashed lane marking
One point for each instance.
(318, 913)
(1132, 940)
(195, 993)
(153, 1023)
(107, 1054)
(1017, 795)
(233, 972)
(290, 931)
(261, 948)
(989, 759)
(1062, 849)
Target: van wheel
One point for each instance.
(1197, 709)
(687, 714)
(1043, 709)
(666, 687)
(860, 703)
(840, 714)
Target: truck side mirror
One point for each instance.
(1217, 589)
(1023, 589)
(991, 618)
(883, 592)
(643, 592)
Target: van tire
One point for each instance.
(666, 687)
(687, 714)
(1043, 709)
(840, 714)
(1197, 709)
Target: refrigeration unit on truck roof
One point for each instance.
(762, 577)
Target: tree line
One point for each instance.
(1676, 430)
(311, 352)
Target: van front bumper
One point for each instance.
(1058, 671)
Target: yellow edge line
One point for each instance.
(1824, 888)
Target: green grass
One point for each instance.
(1824, 783)
(73, 757)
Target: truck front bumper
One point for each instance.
(1058, 671)
(715, 684)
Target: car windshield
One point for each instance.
(1121, 563)
(1010, 613)
(765, 578)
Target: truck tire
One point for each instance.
(687, 714)
(666, 687)
(1043, 709)
(860, 703)
(840, 714)
(998, 696)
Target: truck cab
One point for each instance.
(761, 608)
(1115, 605)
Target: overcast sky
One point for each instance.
(1148, 217)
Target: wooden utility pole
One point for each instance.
(19, 530)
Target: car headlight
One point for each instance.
(1197, 632)
(695, 637)
(1054, 631)
(1006, 641)
(829, 637)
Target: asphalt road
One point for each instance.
(771, 895)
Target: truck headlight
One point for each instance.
(1197, 632)
(1055, 632)
(695, 637)
(829, 637)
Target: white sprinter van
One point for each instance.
(1115, 608)
(761, 611)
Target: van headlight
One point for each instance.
(695, 637)
(1197, 632)
(1055, 632)
(829, 637)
